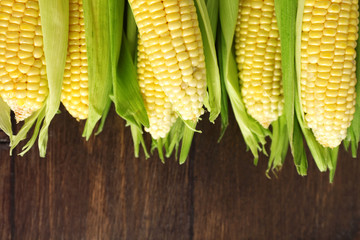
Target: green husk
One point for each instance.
(5, 121)
(224, 109)
(101, 19)
(126, 91)
(212, 7)
(103, 119)
(131, 31)
(138, 139)
(55, 28)
(29, 122)
(127, 96)
(300, 159)
(334, 157)
(254, 134)
(224, 113)
(279, 145)
(188, 135)
(174, 137)
(32, 140)
(206, 24)
(286, 20)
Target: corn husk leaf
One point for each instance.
(173, 139)
(213, 9)
(279, 145)
(5, 120)
(55, 28)
(126, 91)
(224, 113)
(300, 159)
(127, 96)
(181, 134)
(131, 31)
(334, 157)
(103, 119)
(179, 137)
(98, 18)
(254, 134)
(29, 122)
(188, 135)
(32, 140)
(286, 20)
(138, 139)
(213, 101)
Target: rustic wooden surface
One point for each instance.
(98, 190)
(5, 189)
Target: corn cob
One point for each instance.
(172, 41)
(75, 85)
(157, 104)
(328, 41)
(23, 82)
(257, 44)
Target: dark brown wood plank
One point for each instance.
(98, 190)
(234, 200)
(4, 139)
(5, 188)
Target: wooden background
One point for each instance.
(98, 190)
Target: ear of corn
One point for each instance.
(254, 134)
(325, 130)
(23, 82)
(75, 84)
(174, 45)
(257, 44)
(158, 106)
(257, 99)
(172, 40)
(328, 41)
(54, 28)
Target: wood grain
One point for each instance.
(234, 199)
(5, 188)
(98, 190)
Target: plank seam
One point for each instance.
(12, 183)
(192, 182)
